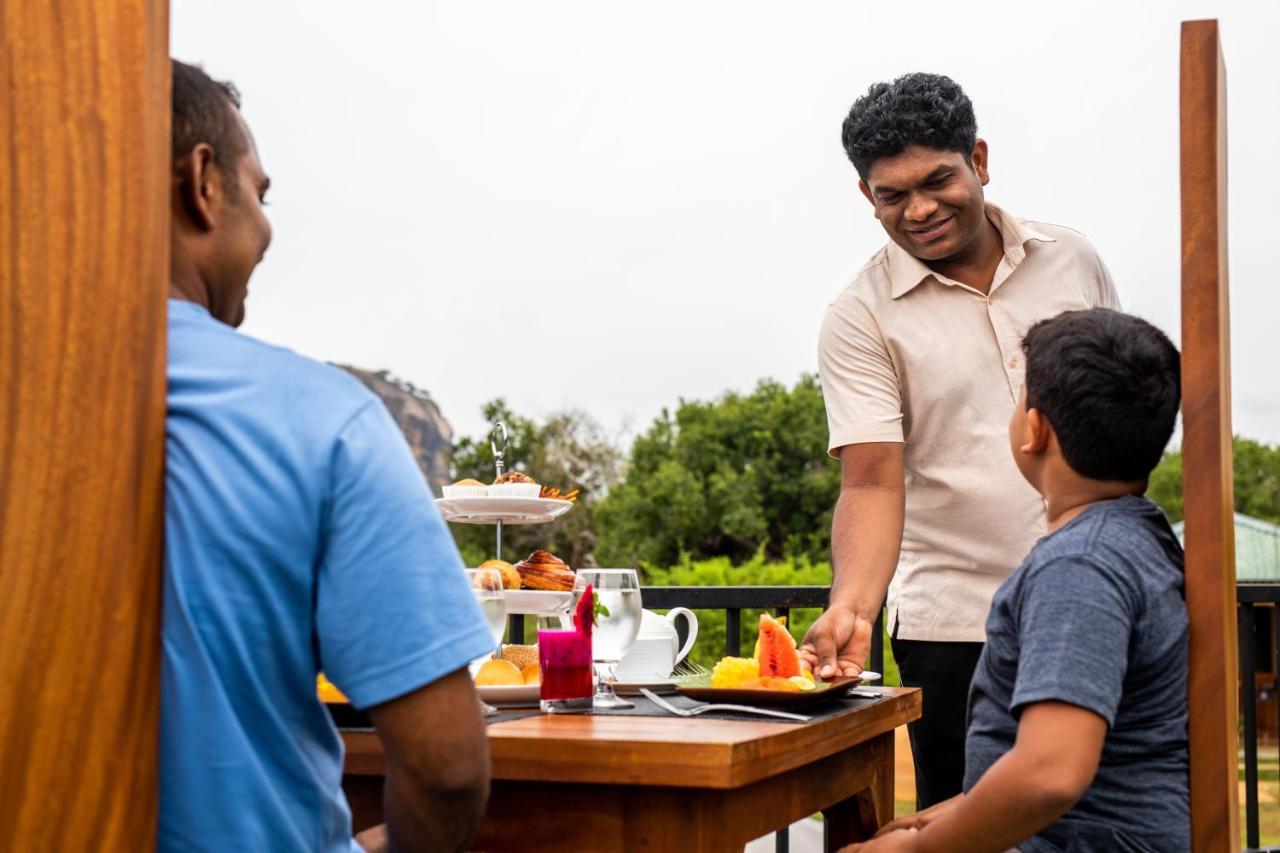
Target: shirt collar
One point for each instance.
(183, 308)
(906, 271)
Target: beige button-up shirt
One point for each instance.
(907, 355)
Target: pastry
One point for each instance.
(542, 570)
(521, 656)
(510, 577)
(468, 482)
(495, 672)
(514, 477)
(532, 674)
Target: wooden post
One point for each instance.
(84, 193)
(1206, 443)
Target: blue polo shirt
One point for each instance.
(299, 537)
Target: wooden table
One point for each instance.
(660, 783)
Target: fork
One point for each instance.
(702, 709)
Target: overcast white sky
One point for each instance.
(612, 206)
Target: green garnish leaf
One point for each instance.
(598, 610)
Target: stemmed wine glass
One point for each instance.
(617, 623)
(486, 586)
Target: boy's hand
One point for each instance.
(920, 820)
(899, 841)
(837, 644)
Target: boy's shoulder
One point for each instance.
(1127, 541)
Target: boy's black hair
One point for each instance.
(1110, 385)
(916, 109)
(204, 111)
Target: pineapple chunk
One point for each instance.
(731, 672)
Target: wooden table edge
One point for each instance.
(716, 764)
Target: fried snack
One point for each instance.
(532, 674)
(510, 577)
(514, 477)
(552, 493)
(495, 672)
(468, 482)
(542, 570)
(521, 656)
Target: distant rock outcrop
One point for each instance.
(428, 433)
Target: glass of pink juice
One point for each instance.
(565, 659)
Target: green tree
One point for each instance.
(1256, 468)
(734, 477)
(568, 450)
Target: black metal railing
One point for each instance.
(1259, 648)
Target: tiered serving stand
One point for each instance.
(501, 510)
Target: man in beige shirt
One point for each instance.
(921, 365)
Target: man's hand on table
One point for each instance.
(837, 644)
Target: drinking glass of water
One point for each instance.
(617, 623)
(486, 585)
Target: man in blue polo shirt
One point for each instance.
(299, 537)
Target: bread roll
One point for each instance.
(496, 672)
(510, 577)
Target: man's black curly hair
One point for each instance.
(916, 109)
(1110, 385)
(204, 110)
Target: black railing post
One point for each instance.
(877, 646)
(782, 840)
(732, 632)
(515, 630)
(1249, 709)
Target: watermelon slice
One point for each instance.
(584, 617)
(778, 655)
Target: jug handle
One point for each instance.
(692, 622)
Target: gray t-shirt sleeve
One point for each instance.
(1074, 624)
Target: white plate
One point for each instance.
(491, 510)
(537, 601)
(510, 695)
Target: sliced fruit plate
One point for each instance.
(771, 697)
(772, 676)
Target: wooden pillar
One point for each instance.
(84, 178)
(1206, 443)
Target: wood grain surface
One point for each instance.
(1206, 442)
(84, 165)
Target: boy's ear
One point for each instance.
(1039, 431)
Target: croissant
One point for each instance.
(542, 570)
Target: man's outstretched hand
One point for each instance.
(837, 644)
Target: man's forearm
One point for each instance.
(866, 537)
(424, 815)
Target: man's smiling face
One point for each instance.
(929, 201)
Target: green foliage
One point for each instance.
(720, 571)
(730, 477)
(1256, 467)
(568, 450)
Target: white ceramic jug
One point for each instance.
(657, 650)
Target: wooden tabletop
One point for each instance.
(672, 751)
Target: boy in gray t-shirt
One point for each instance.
(1077, 730)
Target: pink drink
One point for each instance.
(565, 658)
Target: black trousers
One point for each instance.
(943, 672)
